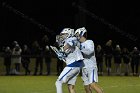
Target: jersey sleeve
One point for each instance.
(88, 49)
(70, 43)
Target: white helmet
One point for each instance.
(81, 31)
(67, 32)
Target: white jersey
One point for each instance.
(87, 48)
(75, 53)
(74, 61)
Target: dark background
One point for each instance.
(58, 14)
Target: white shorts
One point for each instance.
(69, 75)
(89, 75)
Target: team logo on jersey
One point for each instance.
(81, 47)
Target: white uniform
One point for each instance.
(89, 71)
(74, 61)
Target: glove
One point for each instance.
(61, 55)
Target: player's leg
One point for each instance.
(72, 77)
(86, 80)
(71, 88)
(88, 89)
(58, 85)
(96, 87)
(64, 77)
(61, 79)
(93, 79)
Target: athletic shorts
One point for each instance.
(69, 75)
(89, 75)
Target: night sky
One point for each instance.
(58, 14)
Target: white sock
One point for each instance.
(58, 85)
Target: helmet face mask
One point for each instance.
(64, 36)
(77, 36)
(65, 33)
(59, 40)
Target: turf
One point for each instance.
(46, 84)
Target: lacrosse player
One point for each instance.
(73, 58)
(89, 71)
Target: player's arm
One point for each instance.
(68, 47)
(88, 50)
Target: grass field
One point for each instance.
(46, 84)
